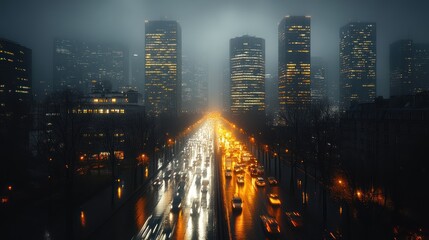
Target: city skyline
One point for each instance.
(253, 19)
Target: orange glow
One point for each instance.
(9, 188)
(340, 182)
(359, 194)
(4, 200)
(82, 219)
(341, 210)
(287, 150)
(119, 192)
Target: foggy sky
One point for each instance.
(207, 27)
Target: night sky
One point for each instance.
(207, 27)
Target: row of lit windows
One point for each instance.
(99, 111)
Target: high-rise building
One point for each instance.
(89, 66)
(137, 72)
(15, 102)
(194, 85)
(163, 67)
(401, 68)
(358, 58)
(15, 77)
(421, 67)
(247, 75)
(318, 80)
(294, 62)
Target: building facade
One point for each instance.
(247, 75)
(163, 67)
(89, 66)
(421, 67)
(358, 58)
(15, 102)
(318, 80)
(194, 86)
(294, 68)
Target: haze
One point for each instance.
(207, 27)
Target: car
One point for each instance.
(270, 225)
(228, 172)
(204, 189)
(254, 172)
(176, 204)
(198, 179)
(167, 174)
(157, 182)
(240, 179)
(151, 228)
(195, 208)
(205, 172)
(237, 203)
(168, 229)
(238, 168)
(294, 219)
(272, 181)
(274, 199)
(260, 182)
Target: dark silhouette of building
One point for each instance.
(15, 102)
(194, 86)
(409, 67)
(247, 74)
(358, 58)
(294, 62)
(89, 66)
(384, 150)
(163, 68)
(421, 66)
(318, 80)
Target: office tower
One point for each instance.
(271, 94)
(318, 80)
(358, 55)
(15, 102)
(137, 72)
(15, 77)
(194, 85)
(89, 66)
(163, 67)
(421, 67)
(294, 62)
(247, 75)
(401, 68)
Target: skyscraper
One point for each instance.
(247, 74)
(294, 62)
(89, 66)
(194, 85)
(358, 55)
(401, 68)
(318, 80)
(15, 77)
(421, 66)
(163, 67)
(15, 103)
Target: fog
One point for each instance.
(207, 27)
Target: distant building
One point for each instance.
(194, 86)
(409, 67)
(163, 68)
(318, 80)
(247, 75)
(421, 66)
(358, 58)
(15, 102)
(137, 72)
(294, 62)
(89, 66)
